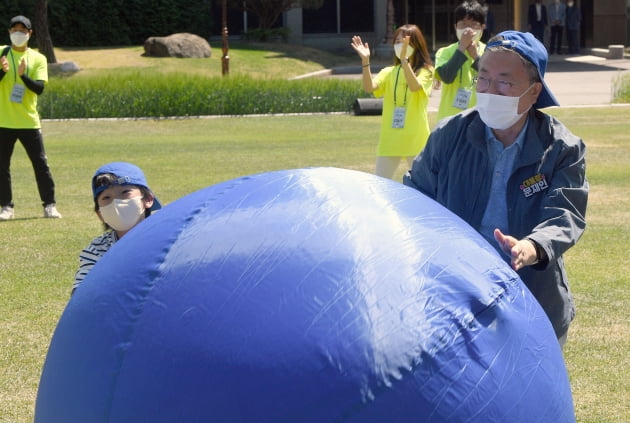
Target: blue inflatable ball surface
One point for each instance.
(303, 296)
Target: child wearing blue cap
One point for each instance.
(122, 199)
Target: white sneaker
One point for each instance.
(7, 213)
(51, 212)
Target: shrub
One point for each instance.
(117, 22)
(138, 94)
(268, 34)
(621, 89)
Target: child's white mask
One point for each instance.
(123, 215)
(398, 50)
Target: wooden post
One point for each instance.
(225, 59)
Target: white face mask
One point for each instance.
(398, 50)
(122, 215)
(476, 37)
(499, 111)
(19, 39)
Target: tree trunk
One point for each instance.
(389, 30)
(40, 27)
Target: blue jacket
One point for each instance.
(573, 18)
(547, 194)
(556, 12)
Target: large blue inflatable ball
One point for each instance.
(303, 296)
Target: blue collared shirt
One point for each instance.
(502, 163)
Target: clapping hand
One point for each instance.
(22, 67)
(405, 44)
(467, 42)
(4, 63)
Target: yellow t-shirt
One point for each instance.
(22, 115)
(409, 140)
(464, 79)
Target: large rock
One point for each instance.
(177, 45)
(63, 68)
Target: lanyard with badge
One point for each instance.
(463, 95)
(17, 93)
(398, 120)
(462, 98)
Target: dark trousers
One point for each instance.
(538, 29)
(555, 41)
(33, 143)
(572, 38)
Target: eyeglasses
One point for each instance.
(483, 84)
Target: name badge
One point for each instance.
(399, 117)
(17, 94)
(462, 98)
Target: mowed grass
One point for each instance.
(258, 60)
(38, 257)
(599, 269)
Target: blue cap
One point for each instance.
(128, 174)
(528, 46)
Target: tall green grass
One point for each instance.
(621, 88)
(38, 257)
(129, 93)
(121, 82)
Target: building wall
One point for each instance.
(605, 22)
(338, 41)
(610, 22)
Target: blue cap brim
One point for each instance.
(526, 45)
(128, 174)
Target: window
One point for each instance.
(337, 16)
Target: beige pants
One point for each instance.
(386, 165)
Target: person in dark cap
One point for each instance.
(513, 172)
(122, 199)
(23, 75)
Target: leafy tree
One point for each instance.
(75, 22)
(195, 16)
(152, 18)
(110, 27)
(268, 11)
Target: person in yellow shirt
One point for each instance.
(23, 75)
(456, 64)
(405, 87)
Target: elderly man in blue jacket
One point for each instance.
(514, 173)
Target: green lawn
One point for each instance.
(38, 257)
(258, 60)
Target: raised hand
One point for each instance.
(362, 49)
